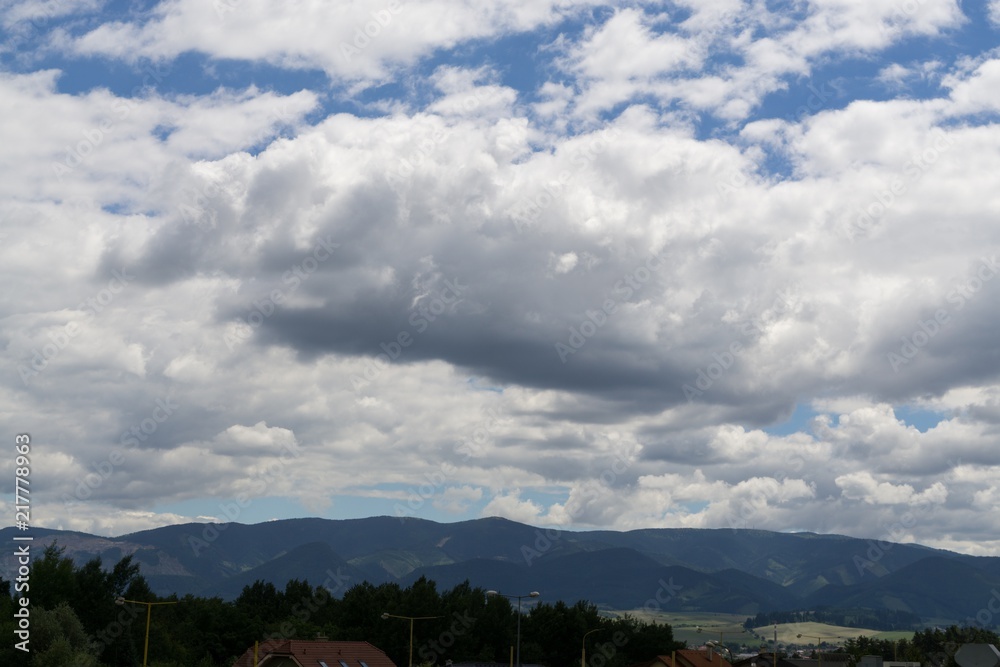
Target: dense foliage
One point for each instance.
(931, 647)
(76, 623)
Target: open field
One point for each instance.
(686, 625)
(813, 632)
(893, 635)
(730, 628)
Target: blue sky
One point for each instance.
(587, 265)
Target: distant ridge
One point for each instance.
(720, 570)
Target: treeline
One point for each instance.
(75, 622)
(930, 647)
(873, 619)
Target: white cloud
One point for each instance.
(863, 486)
(976, 93)
(511, 506)
(351, 42)
(110, 520)
(624, 58)
(458, 500)
(40, 12)
(367, 288)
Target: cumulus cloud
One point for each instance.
(360, 41)
(636, 54)
(993, 9)
(581, 299)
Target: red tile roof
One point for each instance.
(313, 653)
(695, 658)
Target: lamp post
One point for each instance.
(149, 609)
(723, 646)
(532, 594)
(410, 619)
(583, 646)
(721, 634)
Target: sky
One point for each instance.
(709, 264)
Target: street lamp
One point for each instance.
(410, 619)
(716, 644)
(583, 646)
(721, 634)
(532, 594)
(149, 608)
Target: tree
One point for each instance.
(8, 654)
(52, 579)
(59, 640)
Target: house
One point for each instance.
(823, 659)
(688, 658)
(763, 659)
(314, 653)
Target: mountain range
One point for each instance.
(664, 569)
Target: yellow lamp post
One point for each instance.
(149, 609)
(532, 594)
(410, 619)
(583, 646)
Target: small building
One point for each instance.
(766, 659)
(688, 658)
(314, 653)
(839, 659)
